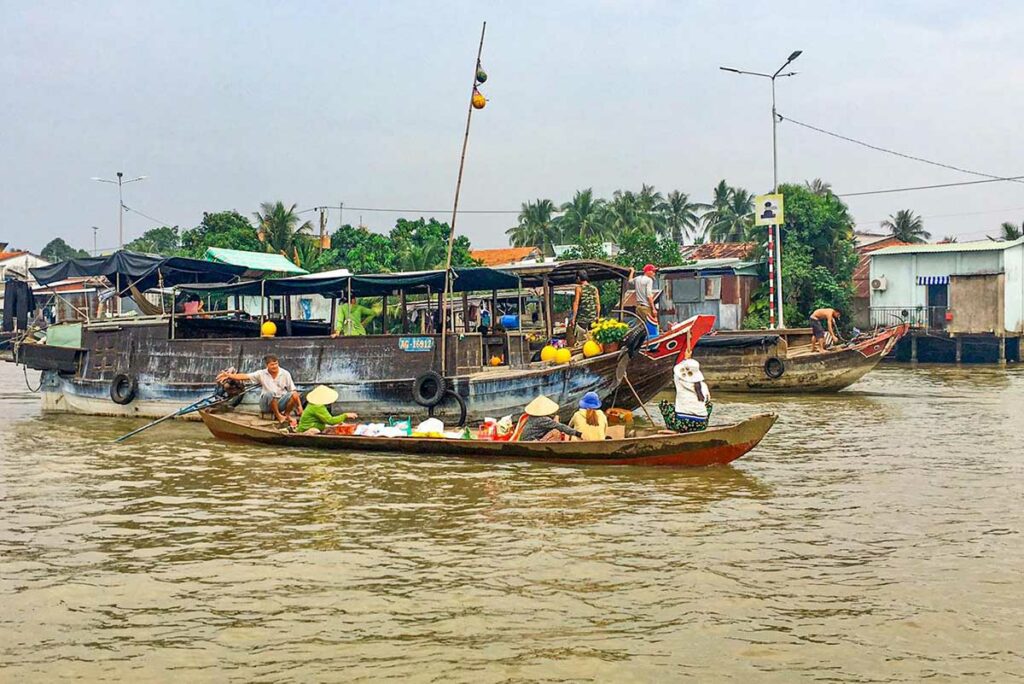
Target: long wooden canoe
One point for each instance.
(714, 446)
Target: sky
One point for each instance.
(224, 105)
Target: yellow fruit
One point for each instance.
(563, 355)
(495, 360)
(591, 348)
(268, 329)
(547, 353)
(479, 101)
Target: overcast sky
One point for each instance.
(224, 105)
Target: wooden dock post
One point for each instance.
(959, 348)
(913, 348)
(1002, 350)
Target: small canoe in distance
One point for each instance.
(714, 446)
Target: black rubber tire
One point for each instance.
(123, 389)
(774, 368)
(459, 400)
(635, 339)
(428, 389)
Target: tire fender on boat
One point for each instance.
(428, 389)
(123, 388)
(774, 368)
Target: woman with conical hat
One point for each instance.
(693, 399)
(316, 417)
(542, 424)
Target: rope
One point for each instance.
(24, 369)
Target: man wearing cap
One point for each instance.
(316, 416)
(643, 286)
(279, 395)
(542, 423)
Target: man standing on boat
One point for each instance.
(279, 395)
(643, 286)
(818, 331)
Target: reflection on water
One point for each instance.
(874, 535)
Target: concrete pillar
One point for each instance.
(959, 348)
(913, 348)
(1002, 350)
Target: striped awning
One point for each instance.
(932, 280)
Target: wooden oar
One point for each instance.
(637, 397)
(213, 400)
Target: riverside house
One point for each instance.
(964, 301)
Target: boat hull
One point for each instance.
(745, 370)
(714, 446)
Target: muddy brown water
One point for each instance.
(875, 535)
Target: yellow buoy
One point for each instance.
(563, 355)
(591, 348)
(268, 329)
(547, 353)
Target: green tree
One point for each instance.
(58, 250)
(681, 218)
(225, 229)
(426, 242)
(649, 214)
(582, 217)
(164, 241)
(537, 227)
(362, 251)
(818, 186)
(904, 225)
(280, 228)
(818, 257)
(731, 216)
(1009, 231)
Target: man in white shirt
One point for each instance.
(279, 395)
(643, 286)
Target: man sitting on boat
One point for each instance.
(279, 395)
(541, 424)
(818, 331)
(693, 399)
(316, 417)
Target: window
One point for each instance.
(685, 290)
(713, 288)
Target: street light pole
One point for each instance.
(120, 201)
(95, 230)
(777, 255)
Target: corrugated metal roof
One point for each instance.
(976, 246)
(719, 250)
(254, 261)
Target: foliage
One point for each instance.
(638, 249)
(224, 229)
(164, 241)
(818, 257)
(904, 225)
(818, 187)
(1010, 231)
(582, 218)
(537, 227)
(58, 250)
(681, 218)
(422, 245)
(362, 251)
(758, 316)
(605, 330)
(279, 229)
(731, 217)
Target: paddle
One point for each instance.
(637, 397)
(215, 399)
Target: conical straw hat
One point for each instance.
(322, 395)
(541, 406)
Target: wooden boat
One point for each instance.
(714, 446)
(769, 362)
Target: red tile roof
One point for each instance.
(8, 255)
(719, 250)
(504, 255)
(862, 271)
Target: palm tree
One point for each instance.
(949, 239)
(279, 229)
(819, 187)
(680, 215)
(537, 227)
(906, 226)
(648, 210)
(1010, 231)
(427, 256)
(582, 218)
(731, 216)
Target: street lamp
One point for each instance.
(95, 230)
(120, 201)
(775, 164)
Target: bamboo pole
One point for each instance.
(455, 207)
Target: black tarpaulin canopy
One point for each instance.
(564, 272)
(465, 280)
(144, 271)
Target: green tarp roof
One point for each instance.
(466, 280)
(253, 261)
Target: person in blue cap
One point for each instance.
(590, 420)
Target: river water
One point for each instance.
(875, 535)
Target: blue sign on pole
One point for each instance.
(416, 344)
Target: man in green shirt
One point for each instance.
(352, 319)
(316, 415)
